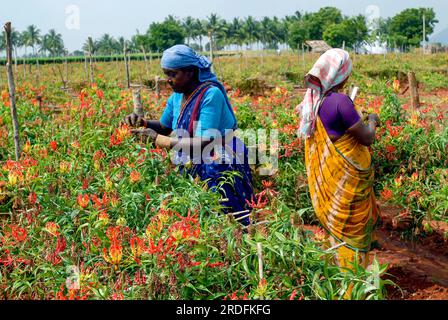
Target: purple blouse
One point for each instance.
(338, 114)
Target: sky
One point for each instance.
(78, 19)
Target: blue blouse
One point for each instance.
(213, 113)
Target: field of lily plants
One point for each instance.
(91, 212)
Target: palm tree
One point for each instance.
(238, 34)
(214, 27)
(90, 46)
(52, 43)
(2, 42)
(251, 28)
(267, 34)
(200, 31)
(121, 42)
(106, 45)
(32, 37)
(190, 28)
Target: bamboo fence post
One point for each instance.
(298, 53)
(12, 89)
(92, 76)
(157, 87)
(303, 56)
(24, 68)
(413, 85)
(1, 77)
(260, 262)
(126, 64)
(210, 35)
(138, 106)
(85, 67)
(117, 64)
(146, 61)
(66, 72)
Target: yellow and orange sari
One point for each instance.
(340, 178)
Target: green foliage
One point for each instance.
(165, 34)
(352, 31)
(406, 28)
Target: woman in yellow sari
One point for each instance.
(338, 162)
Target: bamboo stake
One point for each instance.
(413, 85)
(117, 64)
(138, 107)
(260, 262)
(157, 87)
(85, 67)
(210, 35)
(146, 62)
(12, 89)
(303, 56)
(126, 63)
(92, 76)
(66, 72)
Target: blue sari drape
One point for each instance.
(226, 169)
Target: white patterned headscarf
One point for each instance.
(332, 68)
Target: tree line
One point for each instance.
(403, 30)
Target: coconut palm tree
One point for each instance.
(237, 33)
(214, 26)
(31, 37)
(251, 28)
(267, 35)
(52, 43)
(200, 31)
(189, 24)
(106, 45)
(2, 42)
(90, 46)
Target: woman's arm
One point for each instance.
(365, 133)
(167, 142)
(158, 127)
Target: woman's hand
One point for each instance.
(374, 117)
(145, 133)
(135, 121)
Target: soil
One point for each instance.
(419, 267)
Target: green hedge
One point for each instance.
(100, 58)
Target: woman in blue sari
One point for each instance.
(198, 122)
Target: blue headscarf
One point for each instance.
(181, 56)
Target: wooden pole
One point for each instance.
(66, 72)
(85, 67)
(303, 56)
(92, 76)
(157, 87)
(37, 67)
(126, 64)
(413, 85)
(138, 107)
(210, 35)
(12, 89)
(260, 262)
(146, 61)
(298, 53)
